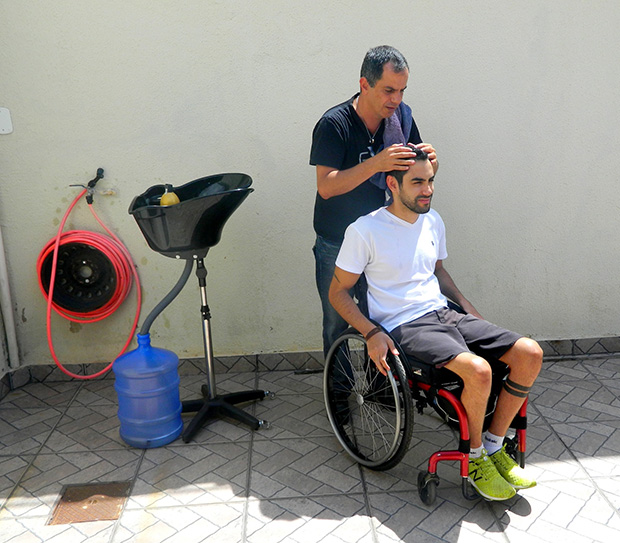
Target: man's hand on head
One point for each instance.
(394, 157)
(429, 150)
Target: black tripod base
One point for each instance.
(221, 406)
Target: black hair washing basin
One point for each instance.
(188, 229)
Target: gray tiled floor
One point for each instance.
(292, 482)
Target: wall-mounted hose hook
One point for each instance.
(90, 187)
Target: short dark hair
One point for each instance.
(399, 174)
(377, 58)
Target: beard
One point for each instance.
(416, 207)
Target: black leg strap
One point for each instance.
(516, 389)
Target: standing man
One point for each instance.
(353, 145)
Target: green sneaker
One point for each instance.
(514, 474)
(487, 481)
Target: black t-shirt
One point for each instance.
(340, 140)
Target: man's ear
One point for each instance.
(364, 85)
(391, 182)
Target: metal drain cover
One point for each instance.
(87, 503)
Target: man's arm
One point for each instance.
(450, 290)
(333, 182)
(343, 303)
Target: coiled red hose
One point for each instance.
(113, 248)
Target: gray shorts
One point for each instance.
(439, 336)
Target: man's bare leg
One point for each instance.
(477, 376)
(525, 361)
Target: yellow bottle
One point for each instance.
(169, 198)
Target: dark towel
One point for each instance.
(397, 129)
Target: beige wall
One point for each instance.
(520, 99)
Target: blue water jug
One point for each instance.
(147, 385)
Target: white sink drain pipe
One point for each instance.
(6, 306)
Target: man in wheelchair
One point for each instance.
(400, 249)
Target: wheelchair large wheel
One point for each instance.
(372, 415)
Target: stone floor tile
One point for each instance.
(143, 527)
(548, 532)
(25, 430)
(443, 519)
(594, 530)
(12, 468)
(188, 523)
(398, 513)
(566, 507)
(601, 465)
(574, 401)
(85, 428)
(478, 524)
(603, 368)
(231, 364)
(293, 415)
(293, 482)
(191, 385)
(403, 517)
(280, 469)
(35, 529)
(41, 395)
(191, 475)
(218, 429)
(290, 382)
(563, 370)
(308, 520)
(404, 475)
(308, 361)
(41, 485)
(468, 533)
(610, 489)
(13, 530)
(524, 509)
(96, 392)
(613, 386)
(557, 509)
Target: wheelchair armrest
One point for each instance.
(456, 307)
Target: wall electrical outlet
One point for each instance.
(6, 126)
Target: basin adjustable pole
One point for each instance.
(212, 405)
(201, 273)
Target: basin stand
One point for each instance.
(213, 405)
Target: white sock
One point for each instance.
(491, 442)
(476, 453)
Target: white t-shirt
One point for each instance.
(398, 259)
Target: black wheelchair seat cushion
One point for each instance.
(428, 373)
(443, 378)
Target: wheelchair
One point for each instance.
(373, 415)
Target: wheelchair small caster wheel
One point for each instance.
(269, 394)
(427, 487)
(264, 424)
